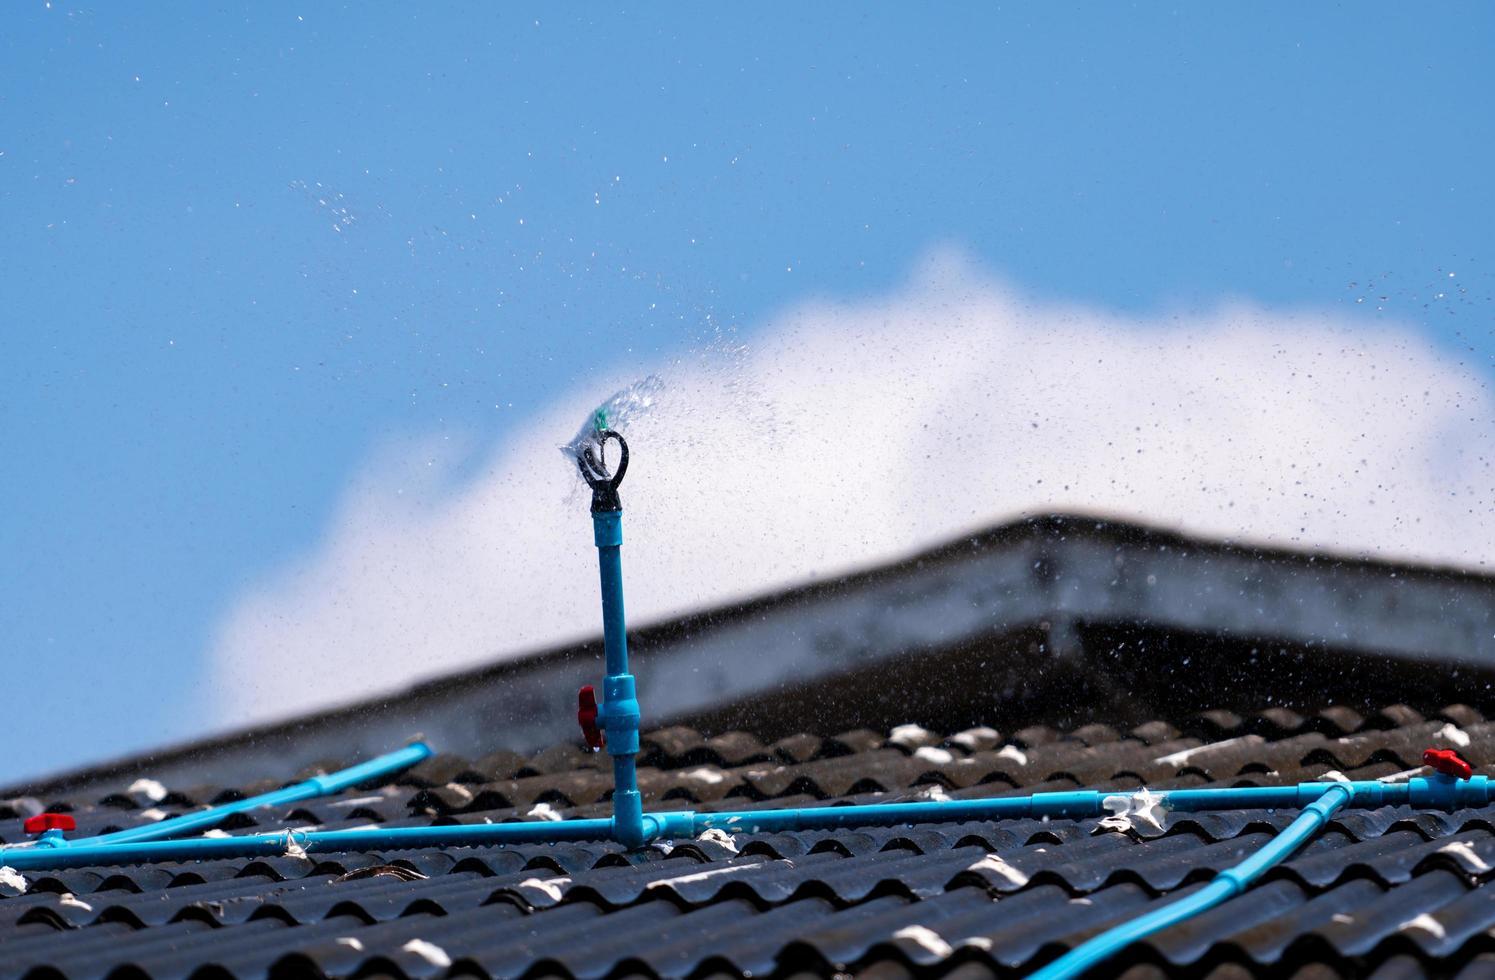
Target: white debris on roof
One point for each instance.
(703, 875)
(154, 814)
(1465, 850)
(74, 902)
(974, 739)
(294, 848)
(1014, 753)
(149, 789)
(936, 792)
(719, 836)
(551, 888)
(709, 775)
(26, 806)
(1343, 919)
(358, 801)
(430, 952)
(1181, 757)
(215, 832)
(1131, 810)
(543, 811)
(1001, 869)
(927, 938)
(460, 790)
(1397, 777)
(1453, 733)
(1427, 924)
(1334, 776)
(940, 757)
(351, 943)
(12, 882)
(910, 736)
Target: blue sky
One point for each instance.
(247, 247)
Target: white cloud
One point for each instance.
(854, 433)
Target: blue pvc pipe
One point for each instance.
(619, 714)
(607, 533)
(202, 819)
(305, 790)
(1437, 791)
(289, 841)
(1224, 886)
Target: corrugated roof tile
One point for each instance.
(1389, 886)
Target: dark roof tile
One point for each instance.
(500, 765)
(664, 747)
(1396, 716)
(438, 770)
(1217, 724)
(1463, 715)
(1338, 720)
(1280, 722)
(852, 742)
(561, 758)
(731, 749)
(1155, 732)
(1389, 886)
(1357, 931)
(796, 749)
(1034, 736)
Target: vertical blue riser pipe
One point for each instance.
(619, 715)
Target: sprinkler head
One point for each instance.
(594, 470)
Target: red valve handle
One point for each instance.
(1447, 761)
(43, 822)
(586, 717)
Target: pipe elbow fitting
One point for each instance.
(671, 824)
(629, 822)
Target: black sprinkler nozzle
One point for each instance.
(594, 470)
